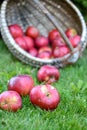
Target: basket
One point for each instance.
(26, 12)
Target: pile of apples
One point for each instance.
(45, 96)
(37, 45)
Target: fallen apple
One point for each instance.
(21, 84)
(10, 101)
(32, 32)
(15, 30)
(48, 73)
(45, 96)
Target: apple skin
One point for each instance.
(21, 84)
(41, 41)
(29, 42)
(16, 30)
(32, 32)
(45, 49)
(70, 32)
(44, 55)
(33, 51)
(48, 73)
(58, 42)
(10, 101)
(75, 40)
(21, 42)
(45, 96)
(53, 34)
(59, 52)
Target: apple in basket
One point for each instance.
(33, 51)
(32, 31)
(45, 96)
(21, 84)
(15, 30)
(41, 41)
(75, 40)
(10, 101)
(70, 32)
(48, 74)
(60, 51)
(53, 34)
(58, 42)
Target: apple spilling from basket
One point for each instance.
(44, 95)
(37, 45)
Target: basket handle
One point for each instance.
(55, 23)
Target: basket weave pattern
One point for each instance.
(26, 13)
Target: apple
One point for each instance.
(75, 40)
(45, 49)
(33, 51)
(32, 32)
(58, 42)
(70, 32)
(53, 34)
(41, 41)
(10, 101)
(45, 96)
(21, 84)
(60, 51)
(48, 73)
(15, 30)
(29, 42)
(44, 55)
(21, 42)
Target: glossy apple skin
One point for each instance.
(16, 30)
(45, 96)
(32, 32)
(48, 73)
(59, 52)
(53, 34)
(10, 101)
(21, 84)
(41, 41)
(70, 32)
(75, 40)
(21, 42)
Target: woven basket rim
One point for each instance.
(4, 28)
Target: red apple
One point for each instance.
(33, 51)
(53, 34)
(44, 55)
(60, 51)
(29, 42)
(10, 101)
(48, 74)
(45, 96)
(21, 84)
(58, 42)
(75, 40)
(45, 49)
(15, 30)
(41, 41)
(70, 32)
(32, 32)
(21, 42)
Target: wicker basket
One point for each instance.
(26, 12)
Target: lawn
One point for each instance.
(71, 114)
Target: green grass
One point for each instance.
(71, 114)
